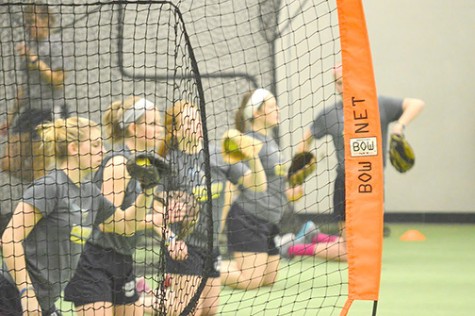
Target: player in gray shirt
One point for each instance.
(254, 217)
(187, 158)
(40, 91)
(46, 235)
(330, 122)
(105, 278)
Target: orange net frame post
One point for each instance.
(363, 158)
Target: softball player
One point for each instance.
(45, 237)
(254, 217)
(185, 153)
(105, 281)
(330, 122)
(40, 92)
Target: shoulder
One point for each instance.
(326, 109)
(53, 179)
(48, 187)
(116, 160)
(389, 101)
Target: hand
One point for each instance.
(22, 49)
(238, 147)
(177, 210)
(177, 249)
(398, 128)
(295, 193)
(30, 304)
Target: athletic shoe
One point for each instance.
(324, 238)
(306, 233)
(284, 243)
(386, 231)
(142, 286)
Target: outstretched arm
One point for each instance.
(307, 139)
(115, 181)
(254, 179)
(411, 108)
(54, 77)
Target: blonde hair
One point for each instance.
(55, 137)
(114, 116)
(173, 121)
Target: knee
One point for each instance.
(270, 280)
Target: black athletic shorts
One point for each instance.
(196, 263)
(103, 275)
(248, 233)
(10, 303)
(339, 201)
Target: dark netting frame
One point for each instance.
(108, 34)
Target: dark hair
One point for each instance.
(239, 120)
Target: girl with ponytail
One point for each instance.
(254, 216)
(46, 235)
(184, 149)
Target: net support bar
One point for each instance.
(363, 157)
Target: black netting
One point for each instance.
(194, 60)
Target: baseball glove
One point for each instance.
(302, 165)
(147, 168)
(401, 154)
(237, 147)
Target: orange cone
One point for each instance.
(412, 235)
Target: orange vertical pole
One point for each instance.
(363, 157)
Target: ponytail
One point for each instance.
(55, 137)
(251, 101)
(173, 119)
(113, 119)
(240, 120)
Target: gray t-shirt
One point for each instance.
(38, 93)
(190, 172)
(268, 205)
(53, 247)
(122, 244)
(330, 122)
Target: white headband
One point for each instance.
(255, 101)
(135, 112)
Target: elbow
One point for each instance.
(415, 105)
(6, 238)
(422, 105)
(57, 79)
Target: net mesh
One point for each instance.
(207, 54)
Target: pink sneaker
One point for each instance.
(142, 286)
(321, 238)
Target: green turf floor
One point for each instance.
(435, 277)
(428, 278)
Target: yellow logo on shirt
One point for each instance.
(201, 193)
(280, 170)
(79, 234)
